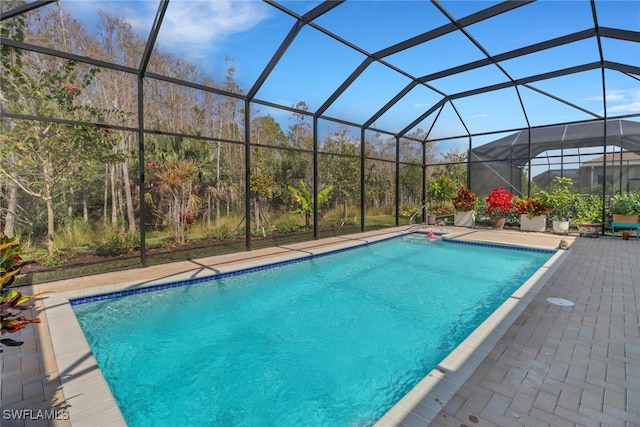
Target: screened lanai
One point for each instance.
(516, 151)
(156, 130)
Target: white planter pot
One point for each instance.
(561, 227)
(536, 223)
(464, 219)
(431, 219)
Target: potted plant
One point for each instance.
(560, 198)
(588, 214)
(499, 204)
(463, 202)
(625, 207)
(533, 213)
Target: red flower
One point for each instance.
(500, 202)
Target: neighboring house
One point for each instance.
(621, 167)
(544, 179)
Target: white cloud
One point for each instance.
(614, 95)
(478, 116)
(617, 95)
(189, 27)
(193, 24)
(630, 108)
(623, 101)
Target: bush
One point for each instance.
(287, 226)
(406, 211)
(586, 209)
(119, 243)
(221, 233)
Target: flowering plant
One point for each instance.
(532, 206)
(464, 199)
(499, 202)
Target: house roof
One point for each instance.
(621, 156)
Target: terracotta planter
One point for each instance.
(464, 219)
(497, 223)
(536, 223)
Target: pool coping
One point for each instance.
(91, 402)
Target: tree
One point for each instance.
(49, 154)
(9, 57)
(342, 169)
(177, 180)
(411, 182)
(304, 200)
(261, 183)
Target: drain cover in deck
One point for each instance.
(561, 301)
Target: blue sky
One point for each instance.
(250, 31)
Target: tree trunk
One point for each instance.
(127, 192)
(50, 226)
(85, 204)
(257, 213)
(114, 202)
(12, 203)
(105, 204)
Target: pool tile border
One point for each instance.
(215, 276)
(247, 270)
(499, 245)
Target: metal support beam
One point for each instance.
(141, 174)
(247, 173)
(153, 35)
(24, 9)
(362, 181)
(315, 177)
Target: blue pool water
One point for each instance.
(332, 341)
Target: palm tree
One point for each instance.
(305, 201)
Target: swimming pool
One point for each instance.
(337, 347)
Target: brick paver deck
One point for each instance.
(561, 365)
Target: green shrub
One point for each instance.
(287, 226)
(586, 209)
(221, 233)
(406, 211)
(119, 243)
